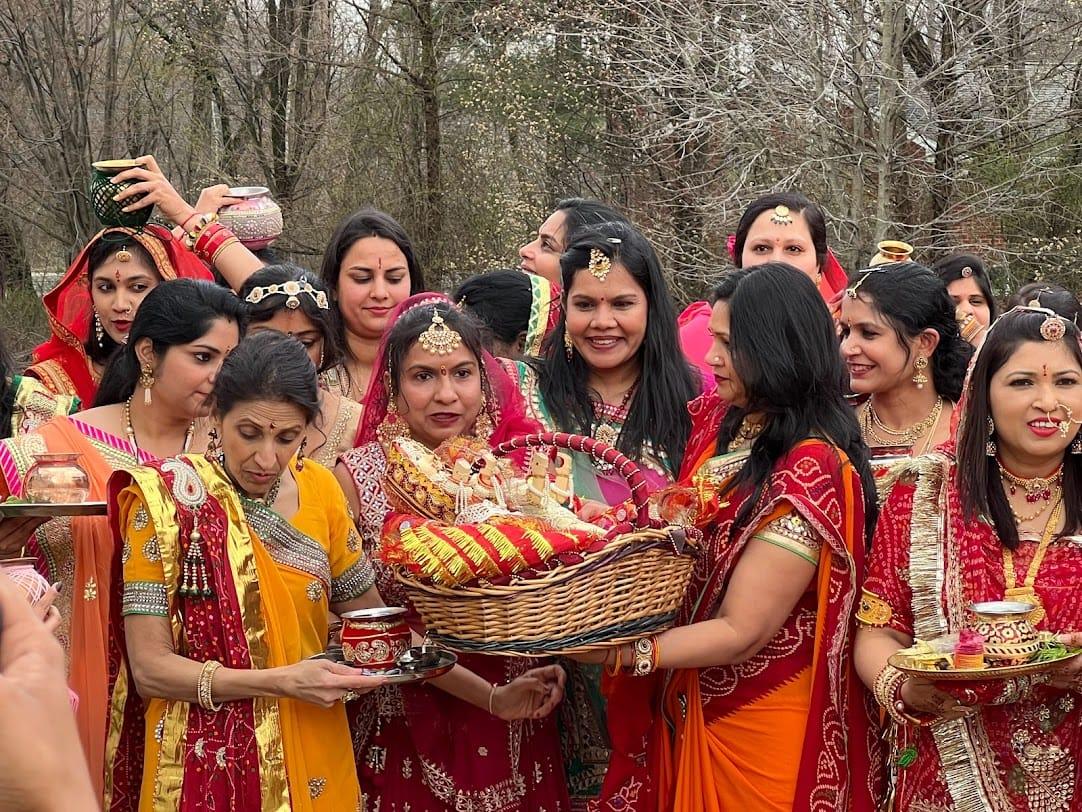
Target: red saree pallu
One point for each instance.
(790, 728)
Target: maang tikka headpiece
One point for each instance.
(781, 216)
(600, 264)
(291, 290)
(438, 338)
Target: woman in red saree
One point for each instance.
(92, 307)
(995, 515)
(471, 740)
(751, 701)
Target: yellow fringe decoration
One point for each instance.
(504, 546)
(481, 561)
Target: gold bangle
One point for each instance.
(200, 226)
(888, 693)
(644, 662)
(204, 690)
(491, 696)
(231, 241)
(617, 662)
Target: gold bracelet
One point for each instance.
(200, 226)
(491, 696)
(645, 660)
(204, 690)
(230, 242)
(888, 693)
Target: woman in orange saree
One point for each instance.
(751, 701)
(177, 322)
(216, 702)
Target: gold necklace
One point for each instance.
(1037, 488)
(1026, 593)
(746, 434)
(871, 425)
(129, 429)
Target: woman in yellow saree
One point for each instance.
(216, 704)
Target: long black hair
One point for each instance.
(913, 299)
(962, 266)
(785, 352)
(325, 320)
(107, 246)
(657, 412)
(795, 202)
(979, 483)
(1049, 294)
(501, 300)
(269, 366)
(175, 312)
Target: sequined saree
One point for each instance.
(272, 583)
(928, 564)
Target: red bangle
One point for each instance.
(211, 241)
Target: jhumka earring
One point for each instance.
(569, 345)
(214, 448)
(300, 454)
(920, 365)
(392, 426)
(482, 427)
(146, 380)
(990, 447)
(99, 331)
(1076, 446)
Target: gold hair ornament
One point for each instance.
(600, 264)
(292, 290)
(123, 255)
(852, 291)
(438, 338)
(781, 216)
(967, 272)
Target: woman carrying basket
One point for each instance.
(752, 702)
(489, 746)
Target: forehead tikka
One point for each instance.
(781, 216)
(438, 338)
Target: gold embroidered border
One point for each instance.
(274, 786)
(930, 539)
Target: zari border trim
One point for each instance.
(273, 779)
(929, 532)
(540, 303)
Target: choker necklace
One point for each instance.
(871, 426)
(129, 429)
(604, 429)
(1038, 488)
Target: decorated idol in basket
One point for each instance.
(497, 561)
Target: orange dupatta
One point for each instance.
(77, 553)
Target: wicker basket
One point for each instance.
(630, 588)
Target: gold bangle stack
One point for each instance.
(646, 656)
(204, 689)
(888, 693)
(227, 244)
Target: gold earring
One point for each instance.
(300, 454)
(99, 331)
(990, 448)
(146, 380)
(569, 345)
(482, 427)
(214, 451)
(920, 365)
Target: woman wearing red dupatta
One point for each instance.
(751, 701)
(71, 361)
(997, 519)
(490, 746)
